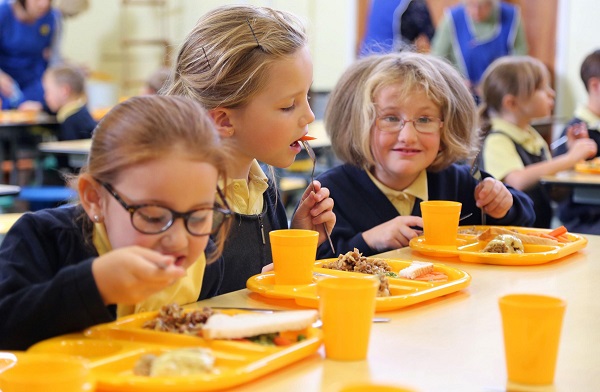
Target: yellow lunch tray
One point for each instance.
(468, 248)
(404, 292)
(592, 166)
(112, 350)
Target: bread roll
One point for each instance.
(243, 325)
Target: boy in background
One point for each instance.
(577, 217)
(64, 92)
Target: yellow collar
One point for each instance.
(69, 108)
(527, 137)
(417, 189)
(591, 119)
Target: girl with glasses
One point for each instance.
(251, 68)
(137, 239)
(401, 123)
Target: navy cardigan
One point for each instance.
(360, 205)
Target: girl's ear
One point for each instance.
(90, 197)
(509, 102)
(222, 119)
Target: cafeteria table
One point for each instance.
(454, 343)
(586, 186)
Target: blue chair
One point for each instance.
(46, 196)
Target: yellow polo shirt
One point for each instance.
(246, 196)
(404, 200)
(591, 119)
(500, 155)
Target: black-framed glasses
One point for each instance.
(155, 219)
(423, 124)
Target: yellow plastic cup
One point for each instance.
(46, 372)
(294, 252)
(531, 325)
(347, 306)
(440, 221)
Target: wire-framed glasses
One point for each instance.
(394, 124)
(155, 219)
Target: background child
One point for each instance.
(64, 92)
(583, 218)
(251, 68)
(399, 122)
(515, 90)
(156, 81)
(65, 269)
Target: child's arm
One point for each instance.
(315, 208)
(131, 274)
(527, 177)
(393, 234)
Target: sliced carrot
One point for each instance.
(563, 238)
(281, 341)
(307, 138)
(558, 231)
(542, 235)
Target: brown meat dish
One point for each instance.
(355, 262)
(172, 318)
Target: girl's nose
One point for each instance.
(408, 131)
(176, 236)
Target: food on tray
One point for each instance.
(246, 325)
(535, 238)
(180, 362)
(504, 243)
(471, 230)
(422, 270)
(254, 327)
(354, 261)
(416, 269)
(172, 318)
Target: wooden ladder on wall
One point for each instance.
(148, 48)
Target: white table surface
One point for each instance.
(455, 343)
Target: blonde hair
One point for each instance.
(68, 75)
(224, 60)
(519, 76)
(148, 127)
(351, 113)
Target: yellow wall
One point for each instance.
(93, 38)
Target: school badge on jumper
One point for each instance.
(45, 29)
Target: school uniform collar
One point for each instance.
(527, 137)
(246, 196)
(418, 189)
(69, 109)
(591, 119)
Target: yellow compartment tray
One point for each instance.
(468, 248)
(592, 166)
(112, 350)
(404, 292)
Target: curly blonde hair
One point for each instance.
(350, 113)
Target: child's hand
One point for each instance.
(493, 196)
(315, 209)
(393, 234)
(267, 268)
(582, 149)
(576, 131)
(131, 274)
(6, 84)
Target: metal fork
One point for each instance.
(476, 173)
(313, 158)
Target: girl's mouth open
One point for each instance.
(179, 261)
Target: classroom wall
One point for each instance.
(93, 38)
